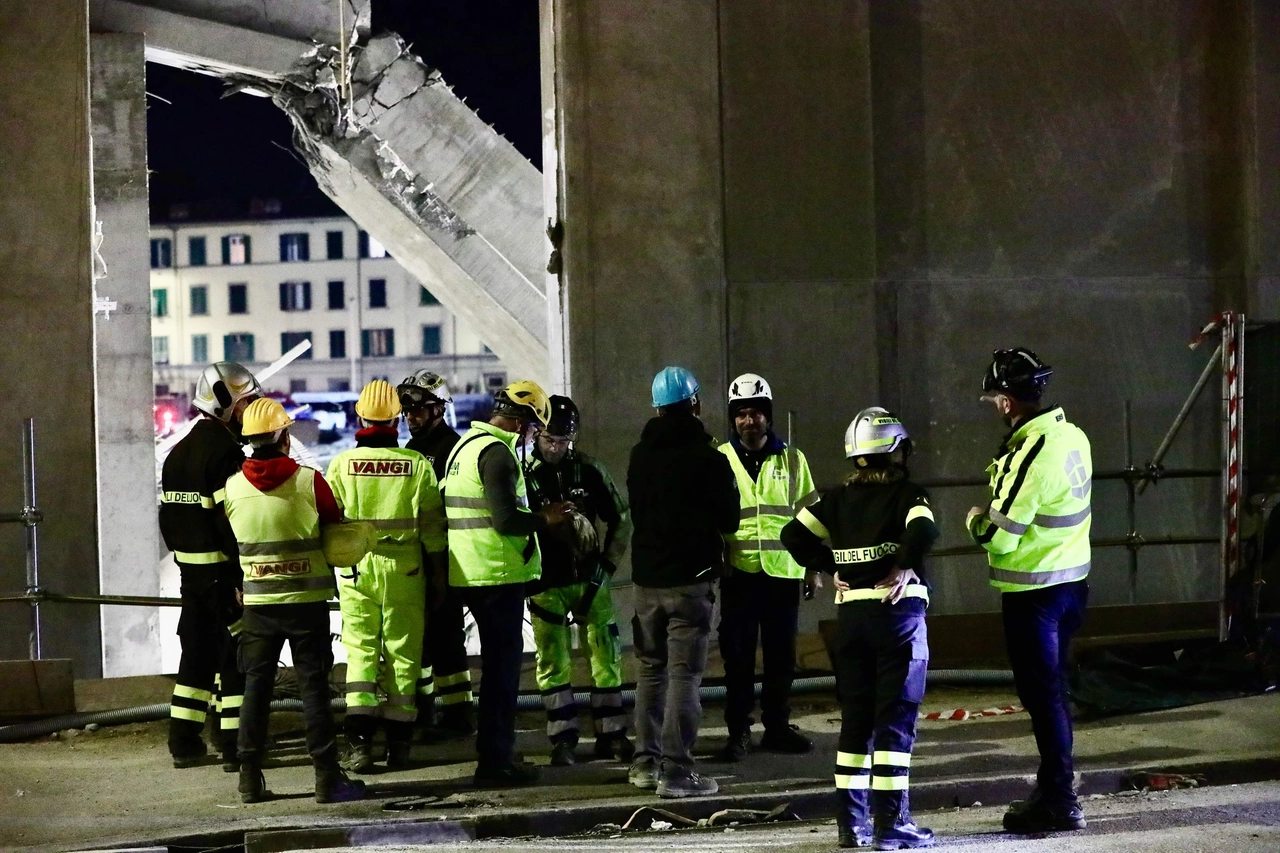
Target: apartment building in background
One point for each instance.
(249, 291)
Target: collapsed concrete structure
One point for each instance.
(859, 200)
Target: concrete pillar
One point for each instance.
(46, 317)
(128, 535)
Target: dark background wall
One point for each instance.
(861, 200)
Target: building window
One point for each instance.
(160, 302)
(377, 293)
(237, 299)
(235, 249)
(339, 384)
(337, 295)
(430, 340)
(295, 296)
(196, 256)
(295, 247)
(199, 301)
(237, 347)
(369, 247)
(426, 297)
(289, 340)
(199, 348)
(161, 253)
(377, 343)
(333, 245)
(160, 349)
(337, 343)
(297, 386)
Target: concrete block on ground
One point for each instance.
(360, 835)
(36, 688)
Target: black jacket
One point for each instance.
(197, 467)
(435, 443)
(581, 479)
(683, 498)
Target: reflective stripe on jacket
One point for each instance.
(1036, 528)
(279, 540)
(478, 554)
(395, 490)
(768, 503)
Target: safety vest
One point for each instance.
(1036, 529)
(279, 538)
(395, 490)
(767, 504)
(478, 554)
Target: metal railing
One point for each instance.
(30, 517)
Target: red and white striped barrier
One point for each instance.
(959, 715)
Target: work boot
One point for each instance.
(457, 720)
(253, 785)
(1035, 816)
(359, 758)
(398, 755)
(359, 729)
(615, 745)
(230, 759)
(188, 753)
(894, 828)
(562, 753)
(643, 773)
(679, 782)
(513, 774)
(334, 786)
(853, 823)
(787, 739)
(737, 747)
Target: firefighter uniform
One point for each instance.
(191, 483)
(574, 588)
(446, 677)
(878, 521)
(760, 592)
(1036, 533)
(383, 598)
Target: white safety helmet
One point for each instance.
(749, 386)
(874, 431)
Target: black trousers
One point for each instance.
(499, 615)
(882, 656)
(208, 674)
(444, 649)
(756, 605)
(266, 629)
(1038, 627)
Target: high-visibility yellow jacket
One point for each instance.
(1036, 528)
(783, 487)
(478, 554)
(278, 532)
(395, 490)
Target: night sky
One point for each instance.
(216, 154)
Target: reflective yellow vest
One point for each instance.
(768, 503)
(478, 554)
(1036, 528)
(395, 490)
(279, 540)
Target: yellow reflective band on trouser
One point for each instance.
(913, 590)
(200, 558)
(426, 682)
(230, 724)
(192, 693)
(402, 709)
(891, 759)
(453, 688)
(229, 702)
(810, 521)
(890, 783)
(180, 713)
(860, 782)
(854, 760)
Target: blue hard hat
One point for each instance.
(673, 384)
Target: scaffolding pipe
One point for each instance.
(1154, 465)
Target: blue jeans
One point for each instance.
(1038, 626)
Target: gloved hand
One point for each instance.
(812, 583)
(586, 539)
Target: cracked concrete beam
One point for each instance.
(203, 46)
(297, 20)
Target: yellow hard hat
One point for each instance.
(523, 398)
(264, 416)
(346, 544)
(378, 401)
